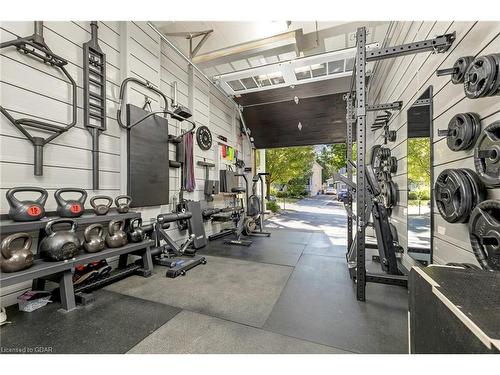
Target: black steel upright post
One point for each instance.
(360, 162)
(349, 121)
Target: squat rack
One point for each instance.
(356, 109)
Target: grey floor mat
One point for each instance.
(236, 290)
(321, 244)
(114, 323)
(264, 250)
(191, 332)
(319, 304)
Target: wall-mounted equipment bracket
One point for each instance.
(35, 46)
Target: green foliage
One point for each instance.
(289, 163)
(273, 206)
(420, 194)
(333, 157)
(419, 150)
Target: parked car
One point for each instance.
(330, 190)
(341, 195)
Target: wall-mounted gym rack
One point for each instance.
(356, 107)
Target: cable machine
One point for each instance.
(356, 113)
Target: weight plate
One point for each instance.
(495, 86)
(461, 64)
(453, 196)
(204, 138)
(476, 128)
(487, 155)
(388, 193)
(392, 163)
(484, 234)
(391, 135)
(461, 132)
(480, 77)
(478, 188)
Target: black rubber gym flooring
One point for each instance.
(290, 293)
(112, 324)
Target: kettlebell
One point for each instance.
(14, 260)
(70, 208)
(101, 209)
(93, 239)
(60, 245)
(135, 231)
(26, 210)
(116, 236)
(123, 207)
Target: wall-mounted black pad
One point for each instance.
(147, 159)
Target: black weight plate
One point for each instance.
(204, 138)
(388, 193)
(392, 163)
(478, 188)
(495, 88)
(469, 198)
(453, 196)
(391, 136)
(476, 128)
(461, 64)
(479, 77)
(484, 234)
(488, 165)
(460, 132)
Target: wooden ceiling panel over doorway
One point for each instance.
(276, 124)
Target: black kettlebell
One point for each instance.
(116, 236)
(123, 207)
(135, 231)
(101, 209)
(13, 260)
(93, 239)
(26, 210)
(70, 208)
(60, 245)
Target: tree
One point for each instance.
(419, 169)
(333, 157)
(288, 163)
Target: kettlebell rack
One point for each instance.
(62, 272)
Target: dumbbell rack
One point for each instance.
(62, 272)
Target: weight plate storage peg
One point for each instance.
(123, 207)
(463, 130)
(388, 193)
(484, 233)
(16, 259)
(101, 209)
(480, 77)
(27, 210)
(70, 207)
(59, 245)
(453, 195)
(487, 155)
(93, 239)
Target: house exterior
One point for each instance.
(315, 181)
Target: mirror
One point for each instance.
(419, 177)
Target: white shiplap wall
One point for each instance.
(406, 78)
(31, 89)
